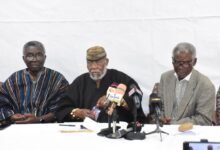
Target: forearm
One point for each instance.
(50, 117)
(199, 119)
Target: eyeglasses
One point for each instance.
(31, 57)
(183, 63)
(97, 62)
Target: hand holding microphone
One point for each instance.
(102, 102)
(116, 98)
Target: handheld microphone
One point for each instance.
(119, 93)
(116, 98)
(110, 95)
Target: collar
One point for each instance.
(186, 78)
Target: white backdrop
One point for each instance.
(139, 35)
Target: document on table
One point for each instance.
(73, 128)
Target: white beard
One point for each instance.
(96, 77)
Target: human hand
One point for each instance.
(111, 109)
(124, 104)
(28, 118)
(17, 117)
(165, 120)
(102, 101)
(82, 113)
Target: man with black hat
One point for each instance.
(86, 96)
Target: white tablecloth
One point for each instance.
(50, 137)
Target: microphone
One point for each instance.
(110, 95)
(155, 106)
(119, 93)
(136, 94)
(116, 97)
(155, 103)
(116, 101)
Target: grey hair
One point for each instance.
(36, 44)
(185, 47)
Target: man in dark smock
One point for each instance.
(86, 96)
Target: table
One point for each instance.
(50, 137)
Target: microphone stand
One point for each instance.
(108, 130)
(134, 135)
(157, 130)
(114, 134)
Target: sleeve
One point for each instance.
(60, 86)
(68, 102)
(6, 102)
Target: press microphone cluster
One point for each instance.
(114, 98)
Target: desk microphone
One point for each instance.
(116, 100)
(136, 95)
(109, 98)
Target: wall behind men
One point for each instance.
(139, 35)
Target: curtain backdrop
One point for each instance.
(138, 35)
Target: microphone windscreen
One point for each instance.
(110, 92)
(122, 87)
(111, 88)
(185, 127)
(119, 93)
(133, 89)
